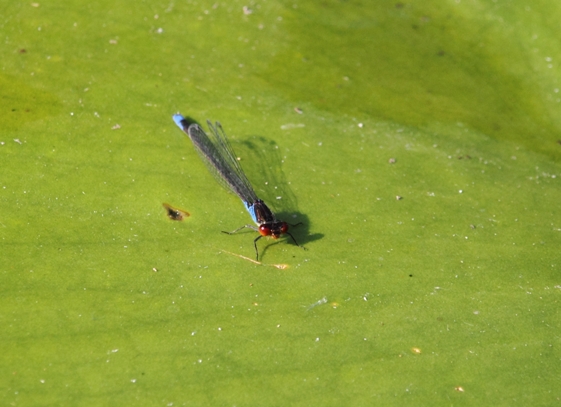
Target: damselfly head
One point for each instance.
(275, 230)
(283, 227)
(265, 230)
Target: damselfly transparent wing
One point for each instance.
(221, 160)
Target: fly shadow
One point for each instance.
(191, 121)
(262, 161)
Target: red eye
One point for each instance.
(265, 230)
(284, 227)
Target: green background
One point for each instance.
(447, 296)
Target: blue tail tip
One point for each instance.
(177, 118)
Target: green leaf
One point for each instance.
(417, 142)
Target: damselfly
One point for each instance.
(218, 155)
